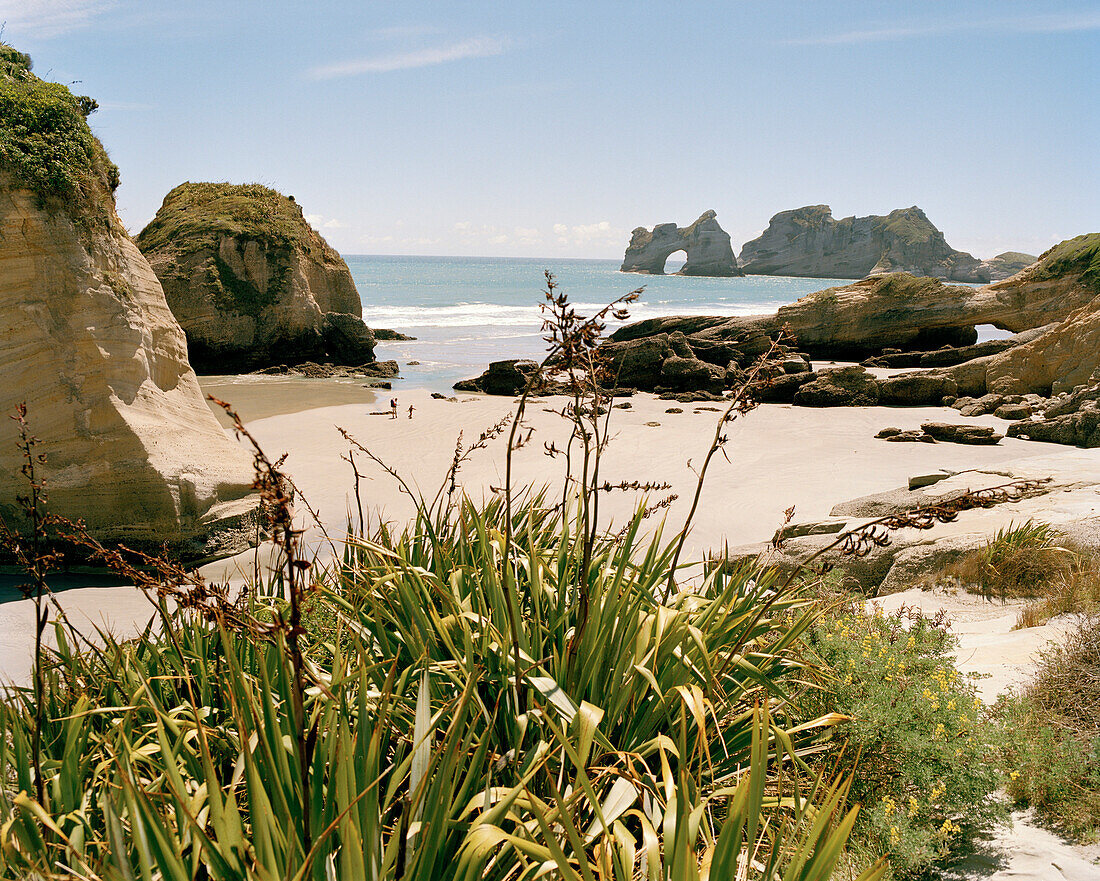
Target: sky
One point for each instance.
(552, 129)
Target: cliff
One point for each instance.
(88, 342)
(809, 242)
(706, 244)
(251, 282)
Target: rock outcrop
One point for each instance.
(841, 387)
(88, 342)
(706, 244)
(501, 378)
(810, 242)
(1007, 264)
(1064, 285)
(897, 311)
(250, 282)
(1071, 418)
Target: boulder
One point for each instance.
(840, 387)
(961, 434)
(916, 389)
(88, 342)
(251, 282)
(781, 389)
(978, 406)
(1072, 418)
(706, 244)
(1013, 412)
(501, 378)
(638, 362)
(810, 242)
(691, 374)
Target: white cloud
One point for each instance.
(476, 47)
(599, 233)
(1068, 22)
(498, 240)
(50, 18)
(319, 221)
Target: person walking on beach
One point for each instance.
(393, 408)
(410, 411)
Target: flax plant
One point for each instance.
(499, 690)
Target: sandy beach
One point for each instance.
(778, 456)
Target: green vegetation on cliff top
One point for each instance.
(1077, 255)
(196, 215)
(46, 144)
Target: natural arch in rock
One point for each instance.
(706, 244)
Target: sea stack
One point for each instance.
(810, 243)
(706, 244)
(251, 282)
(88, 343)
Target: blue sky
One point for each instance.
(553, 128)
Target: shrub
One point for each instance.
(916, 739)
(1017, 562)
(1051, 746)
(46, 144)
(1072, 587)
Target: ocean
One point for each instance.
(468, 311)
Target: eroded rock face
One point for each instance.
(1063, 287)
(706, 244)
(250, 282)
(88, 341)
(810, 242)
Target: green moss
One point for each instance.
(197, 215)
(1078, 256)
(46, 144)
(233, 293)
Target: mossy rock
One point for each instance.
(199, 214)
(1080, 255)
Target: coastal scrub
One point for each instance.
(916, 738)
(46, 144)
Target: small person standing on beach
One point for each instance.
(393, 408)
(410, 411)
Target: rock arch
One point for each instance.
(706, 244)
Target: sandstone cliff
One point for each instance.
(251, 283)
(88, 342)
(809, 242)
(706, 244)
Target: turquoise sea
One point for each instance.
(468, 311)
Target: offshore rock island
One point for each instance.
(705, 243)
(810, 242)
